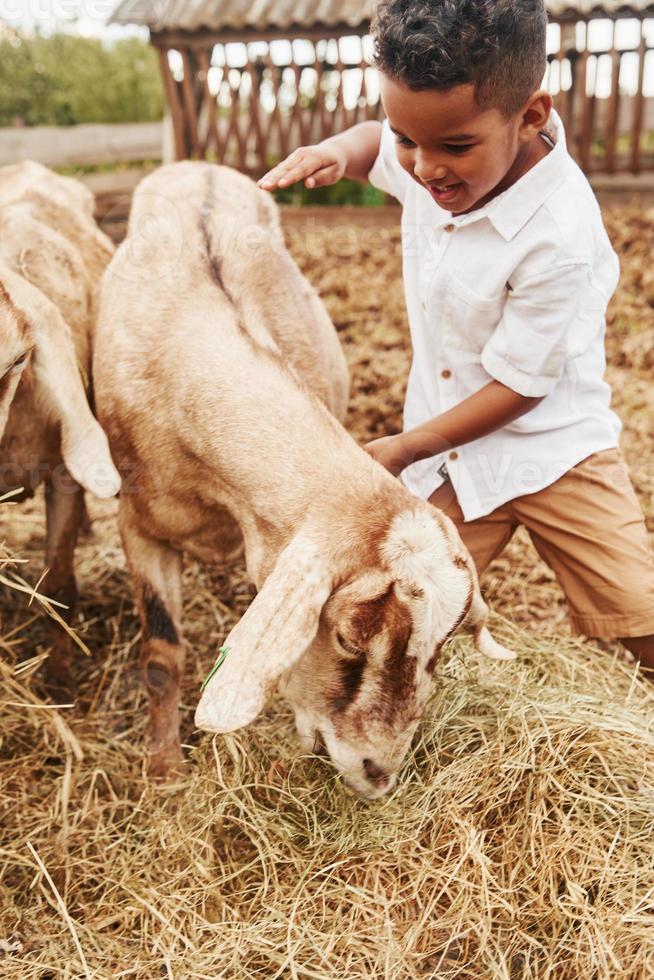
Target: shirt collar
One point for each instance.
(510, 211)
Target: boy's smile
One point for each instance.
(464, 155)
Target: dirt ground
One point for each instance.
(357, 269)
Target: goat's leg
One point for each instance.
(156, 571)
(64, 508)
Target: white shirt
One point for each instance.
(515, 291)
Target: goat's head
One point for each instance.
(355, 649)
(34, 336)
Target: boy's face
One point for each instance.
(464, 155)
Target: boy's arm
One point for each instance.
(489, 409)
(349, 154)
(545, 320)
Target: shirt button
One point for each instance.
(446, 373)
(454, 455)
(450, 227)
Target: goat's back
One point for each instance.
(202, 236)
(52, 255)
(48, 236)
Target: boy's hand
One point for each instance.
(390, 452)
(317, 166)
(491, 408)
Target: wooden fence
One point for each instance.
(87, 145)
(615, 133)
(251, 114)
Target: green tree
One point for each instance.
(62, 80)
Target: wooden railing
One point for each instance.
(250, 115)
(85, 145)
(613, 133)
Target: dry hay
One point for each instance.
(518, 843)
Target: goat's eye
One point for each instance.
(349, 648)
(18, 365)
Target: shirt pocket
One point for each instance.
(470, 318)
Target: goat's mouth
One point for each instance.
(319, 747)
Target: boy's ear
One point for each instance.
(535, 113)
(60, 388)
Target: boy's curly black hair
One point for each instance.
(497, 45)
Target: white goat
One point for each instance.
(216, 368)
(51, 257)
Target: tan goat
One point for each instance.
(216, 370)
(51, 257)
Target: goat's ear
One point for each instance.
(84, 446)
(270, 638)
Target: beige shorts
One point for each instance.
(589, 528)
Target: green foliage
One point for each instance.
(61, 80)
(345, 192)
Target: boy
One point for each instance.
(508, 271)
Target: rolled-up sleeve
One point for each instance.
(387, 175)
(528, 349)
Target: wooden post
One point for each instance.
(260, 162)
(637, 124)
(613, 110)
(587, 119)
(579, 76)
(190, 104)
(569, 53)
(235, 119)
(176, 114)
(204, 63)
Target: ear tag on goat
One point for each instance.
(222, 653)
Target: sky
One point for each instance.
(85, 17)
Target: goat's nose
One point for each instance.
(376, 775)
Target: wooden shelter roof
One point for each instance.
(250, 16)
(242, 15)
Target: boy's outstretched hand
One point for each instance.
(390, 452)
(317, 166)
